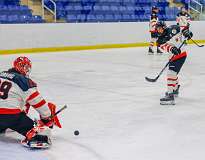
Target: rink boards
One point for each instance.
(30, 38)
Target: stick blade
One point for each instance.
(150, 79)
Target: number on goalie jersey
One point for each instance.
(17, 90)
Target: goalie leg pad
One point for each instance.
(38, 137)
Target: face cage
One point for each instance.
(24, 69)
(27, 70)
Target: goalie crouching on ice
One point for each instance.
(18, 90)
(169, 40)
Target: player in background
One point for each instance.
(152, 29)
(183, 19)
(18, 90)
(168, 41)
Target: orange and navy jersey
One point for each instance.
(152, 23)
(169, 34)
(171, 38)
(17, 90)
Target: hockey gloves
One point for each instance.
(187, 34)
(175, 50)
(52, 120)
(46, 121)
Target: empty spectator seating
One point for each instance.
(12, 12)
(112, 10)
(90, 11)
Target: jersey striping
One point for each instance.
(17, 90)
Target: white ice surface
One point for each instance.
(116, 111)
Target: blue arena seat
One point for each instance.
(91, 18)
(81, 18)
(100, 17)
(71, 18)
(114, 9)
(117, 17)
(3, 18)
(109, 18)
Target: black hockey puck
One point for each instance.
(76, 133)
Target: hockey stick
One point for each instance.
(156, 78)
(60, 110)
(196, 43)
(52, 116)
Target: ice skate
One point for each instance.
(150, 51)
(159, 51)
(168, 99)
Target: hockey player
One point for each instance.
(18, 90)
(183, 19)
(152, 29)
(168, 41)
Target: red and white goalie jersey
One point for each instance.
(16, 90)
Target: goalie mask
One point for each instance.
(22, 65)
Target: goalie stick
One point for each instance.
(60, 110)
(53, 116)
(156, 78)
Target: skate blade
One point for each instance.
(149, 53)
(167, 103)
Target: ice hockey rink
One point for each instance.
(116, 111)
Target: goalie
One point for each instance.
(18, 90)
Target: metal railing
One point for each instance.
(44, 6)
(195, 6)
